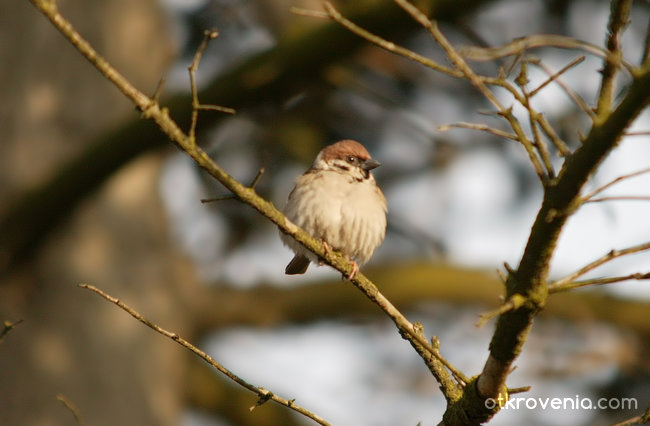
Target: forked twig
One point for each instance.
(196, 105)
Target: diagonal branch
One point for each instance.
(561, 200)
(152, 110)
(263, 394)
(291, 66)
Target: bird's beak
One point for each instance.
(370, 164)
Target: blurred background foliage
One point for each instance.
(89, 193)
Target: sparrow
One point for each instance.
(338, 202)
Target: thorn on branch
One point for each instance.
(514, 302)
(257, 178)
(8, 326)
(512, 391)
(265, 396)
(159, 88)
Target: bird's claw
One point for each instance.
(355, 270)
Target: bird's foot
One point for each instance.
(327, 249)
(355, 270)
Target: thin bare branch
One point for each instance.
(196, 105)
(152, 110)
(480, 127)
(609, 256)
(646, 133)
(577, 99)
(618, 20)
(637, 420)
(263, 394)
(597, 281)
(550, 133)
(309, 13)
(645, 58)
(385, 44)
(538, 142)
(513, 303)
(477, 81)
(159, 89)
(556, 74)
(512, 391)
(589, 196)
(522, 44)
(71, 407)
(619, 198)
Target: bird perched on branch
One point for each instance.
(338, 201)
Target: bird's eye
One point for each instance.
(351, 159)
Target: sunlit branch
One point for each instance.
(538, 142)
(152, 110)
(570, 92)
(72, 408)
(550, 133)
(619, 198)
(522, 44)
(553, 288)
(263, 394)
(591, 195)
(512, 303)
(196, 105)
(556, 74)
(478, 82)
(609, 256)
(480, 127)
(385, 44)
(647, 133)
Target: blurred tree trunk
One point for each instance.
(53, 103)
